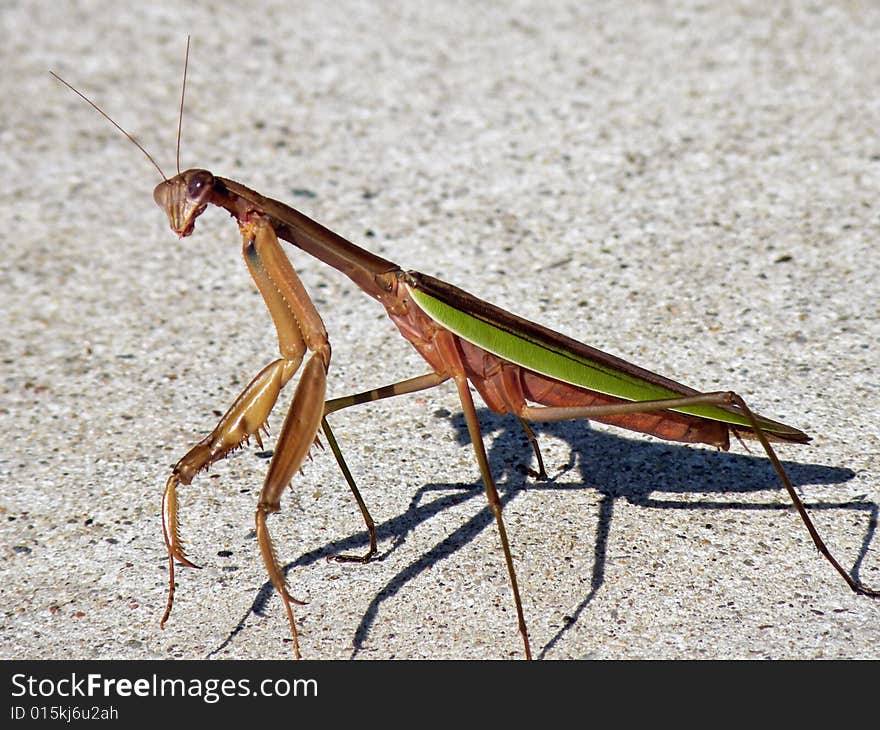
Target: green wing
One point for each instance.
(549, 353)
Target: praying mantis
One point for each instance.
(518, 367)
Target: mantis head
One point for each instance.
(184, 198)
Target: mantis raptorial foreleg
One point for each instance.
(245, 417)
(299, 328)
(294, 441)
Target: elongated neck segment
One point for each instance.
(368, 271)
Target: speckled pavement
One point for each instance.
(692, 187)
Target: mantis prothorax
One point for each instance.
(517, 366)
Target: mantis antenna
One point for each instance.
(129, 136)
(111, 120)
(182, 95)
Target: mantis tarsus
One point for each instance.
(517, 366)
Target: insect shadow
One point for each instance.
(615, 466)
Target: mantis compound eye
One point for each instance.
(184, 198)
(198, 184)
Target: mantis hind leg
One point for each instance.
(723, 398)
(476, 434)
(853, 583)
(541, 474)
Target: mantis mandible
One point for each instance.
(518, 367)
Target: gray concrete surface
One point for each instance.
(692, 187)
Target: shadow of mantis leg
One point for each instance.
(411, 385)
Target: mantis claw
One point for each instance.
(348, 558)
(540, 476)
(183, 560)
